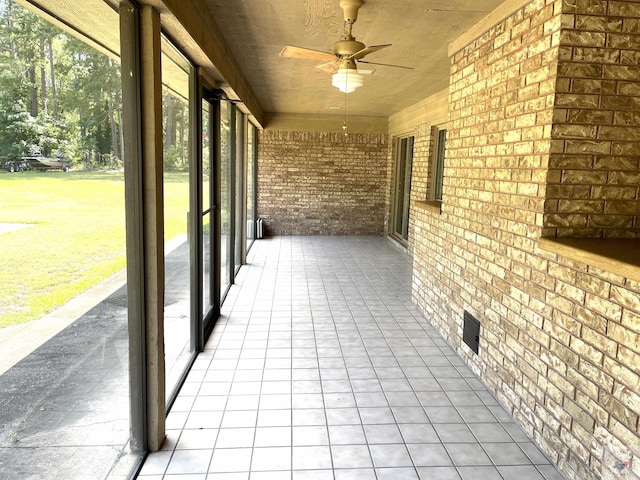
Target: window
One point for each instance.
(439, 138)
(71, 386)
(179, 345)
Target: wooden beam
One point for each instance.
(153, 211)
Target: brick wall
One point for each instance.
(422, 165)
(423, 146)
(594, 175)
(560, 340)
(322, 183)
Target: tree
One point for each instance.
(56, 93)
(175, 131)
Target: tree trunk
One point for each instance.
(12, 45)
(52, 75)
(112, 124)
(183, 142)
(170, 131)
(121, 131)
(33, 96)
(43, 78)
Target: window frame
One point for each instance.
(437, 162)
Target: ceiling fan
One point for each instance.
(347, 53)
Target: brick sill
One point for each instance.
(435, 207)
(620, 256)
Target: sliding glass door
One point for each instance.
(251, 185)
(228, 196)
(217, 207)
(402, 188)
(226, 150)
(238, 210)
(208, 205)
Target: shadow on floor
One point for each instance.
(64, 408)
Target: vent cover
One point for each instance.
(471, 331)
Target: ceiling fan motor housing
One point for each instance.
(350, 9)
(344, 48)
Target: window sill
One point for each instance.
(431, 206)
(618, 256)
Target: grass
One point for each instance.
(76, 237)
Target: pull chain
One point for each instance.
(344, 125)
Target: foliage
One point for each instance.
(174, 159)
(176, 133)
(57, 95)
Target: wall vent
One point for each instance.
(471, 331)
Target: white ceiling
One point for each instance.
(420, 31)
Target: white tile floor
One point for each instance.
(321, 368)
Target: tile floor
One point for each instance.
(321, 368)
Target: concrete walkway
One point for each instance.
(64, 381)
(18, 341)
(64, 407)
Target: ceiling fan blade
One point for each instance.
(366, 72)
(329, 67)
(367, 50)
(385, 64)
(292, 51)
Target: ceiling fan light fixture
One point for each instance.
(346, 80)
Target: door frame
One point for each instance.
(403, 152)
(208, 319)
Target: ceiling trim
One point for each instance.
(503, 11)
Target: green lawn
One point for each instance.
(76, 237)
